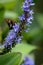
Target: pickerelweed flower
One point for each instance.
(27, 17)
(28, 61)
(15, 34)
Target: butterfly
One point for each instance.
(9, 22)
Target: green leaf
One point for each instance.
(10, 59)
(23, 48)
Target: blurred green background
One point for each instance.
(32, 42)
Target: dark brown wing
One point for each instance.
(10, 23)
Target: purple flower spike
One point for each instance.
(15, 34)
(28, 61)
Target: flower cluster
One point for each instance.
(28, 61)
(12, 35)
(27, 17)
(15, 34)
